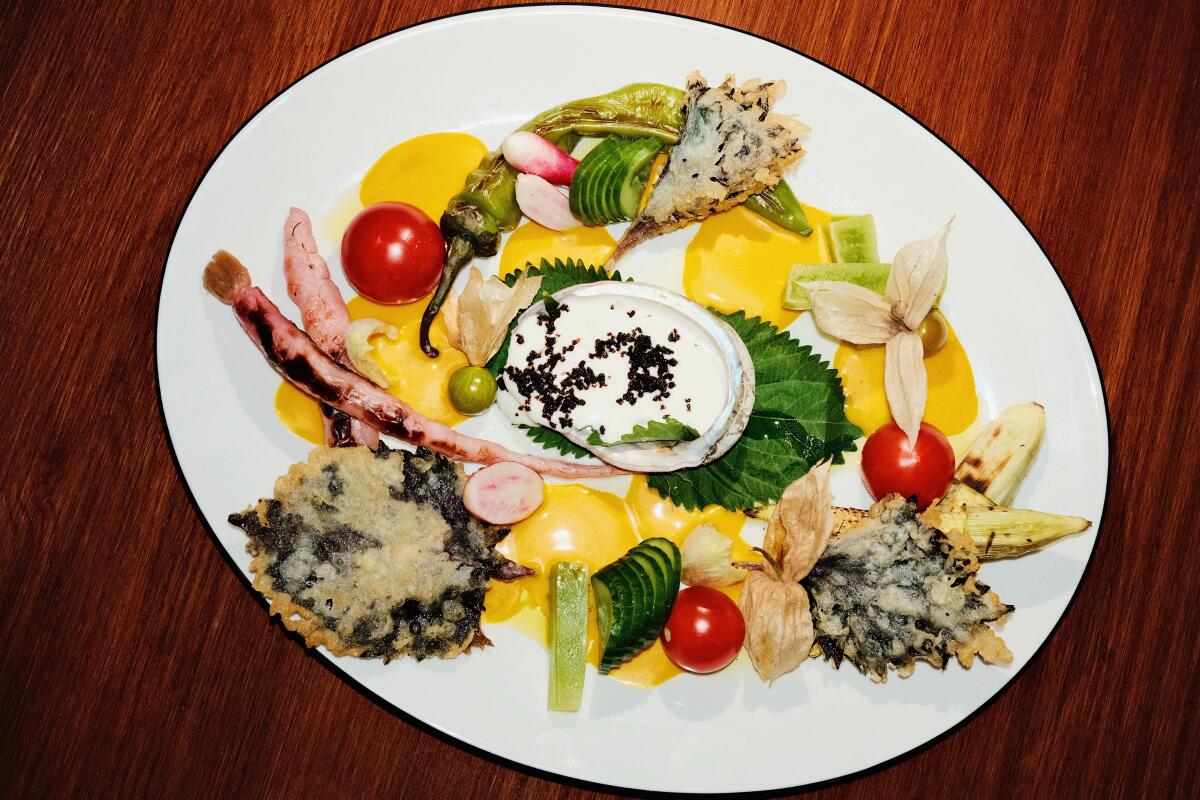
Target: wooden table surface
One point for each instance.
(136, 664)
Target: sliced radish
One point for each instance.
(504, 493)
(544, 203)
(533, 155)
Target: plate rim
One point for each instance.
(327, 662)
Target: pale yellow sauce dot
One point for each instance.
(530, 243)
(738, 260)
(425, 171)
(952, 405)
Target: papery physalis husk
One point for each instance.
(779, 627)
(707, 557)
(358, 347)
(905, 381)
(848, 312)
(477, 320)
(917, 276)
(802, 524)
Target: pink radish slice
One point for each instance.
(504, 493)
(533, 155)
(544, 203)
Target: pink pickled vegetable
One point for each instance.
(531, 154)
(503, 493)
(544, 203)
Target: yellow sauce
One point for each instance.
(530, 243)
(738, 260)
(660, 517)
(415, 378)
(425, 171)
(299, 413)
(952, 405)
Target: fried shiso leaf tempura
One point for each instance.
(732, 146)
(373, 554)
(891, 590)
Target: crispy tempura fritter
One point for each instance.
(890, 590)
(373, 554)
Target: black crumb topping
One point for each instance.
(557, 394)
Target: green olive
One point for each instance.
(933, 332)
(472, 390)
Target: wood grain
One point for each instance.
(136, 664)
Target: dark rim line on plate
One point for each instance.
(328, 662)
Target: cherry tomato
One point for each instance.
(393, 253)
(890, 464)
(705, 630)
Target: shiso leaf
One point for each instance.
(799, 419)
(668, 430)
(553, 440)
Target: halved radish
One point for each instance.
(544, 203)
(533, 155)
(504, 493)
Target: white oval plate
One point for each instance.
(727, 732)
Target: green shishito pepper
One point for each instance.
(486, 207)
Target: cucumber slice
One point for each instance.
(568, 634)
(869, 276)
(608, 181)
(663, 571)
(634, 596)
(656, 600)
(641, 596)
(640, 156)
(614, 614)
(853, 240)
(583, 197)
(673, 561)
(669, 549)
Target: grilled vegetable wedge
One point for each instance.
(1001, 455)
